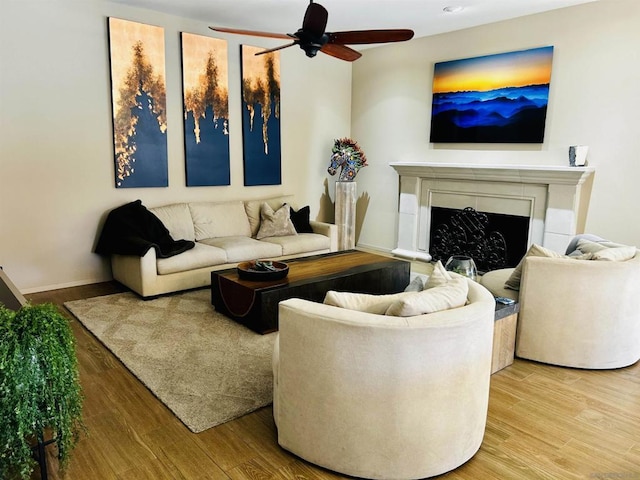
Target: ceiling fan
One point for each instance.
(312, 38)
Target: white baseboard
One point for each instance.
(58, 286)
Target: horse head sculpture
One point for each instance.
(349, 157)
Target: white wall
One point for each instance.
(594, 100)
(56, 149)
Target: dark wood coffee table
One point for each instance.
(255, 303)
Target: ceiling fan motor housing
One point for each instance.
(311, 43)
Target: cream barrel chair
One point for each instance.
(576, 313)
(383, 397)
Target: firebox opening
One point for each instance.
(493, 240)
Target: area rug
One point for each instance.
(206, 368)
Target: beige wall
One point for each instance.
(56, 150)
(594, 100)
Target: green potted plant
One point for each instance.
(40, 392)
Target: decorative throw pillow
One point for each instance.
(300, 219)
(513, 282)
(587, 246)
(605, 250)
(451, 295)
(573, 244)
(275, 224)
(439, 276)
(615, 254)
(416, 285)
(362, 302)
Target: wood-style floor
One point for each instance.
(544, 422)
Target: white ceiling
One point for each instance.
(424, 17)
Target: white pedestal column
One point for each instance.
(346, 195)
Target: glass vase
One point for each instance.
(462, 265)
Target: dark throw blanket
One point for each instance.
(132, 230)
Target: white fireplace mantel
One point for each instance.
(555, 198)
(544, 174)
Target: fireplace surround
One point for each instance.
(555, 199)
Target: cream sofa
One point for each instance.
(575, 313)
(379, 396)
(224, 235)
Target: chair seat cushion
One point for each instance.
(199, 256)
(494, 282)
(300, 243)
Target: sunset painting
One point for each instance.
(206, 110)
(261, 117)
(139, 104)
(498, 98)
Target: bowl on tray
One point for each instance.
(262, 270)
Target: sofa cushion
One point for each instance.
(177, 218)
(363, 302)
(275, 223)
(243, 248)
(227, 219)
(444, 297)
(252, 209)
(199, 256)
(301, 243)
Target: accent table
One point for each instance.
(504, 336)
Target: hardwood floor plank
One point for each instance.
(225, 447)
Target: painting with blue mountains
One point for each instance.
(498, 98)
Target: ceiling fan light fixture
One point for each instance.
(453, 9)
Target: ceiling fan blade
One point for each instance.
(275, 49)
(250, 32)
(315, 19)
(341, 52)
(360, 37)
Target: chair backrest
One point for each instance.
(383, 397)
(580, 313)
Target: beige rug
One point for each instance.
(205, 367)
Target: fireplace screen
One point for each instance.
(493, 240)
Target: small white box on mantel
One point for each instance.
(578, 155)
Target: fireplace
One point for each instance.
(547, 203)
(493, 240)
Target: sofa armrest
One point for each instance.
(328, 230)
(137, 273)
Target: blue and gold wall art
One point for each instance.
(498, 98)
(261, 117)
(139, 104)
(206, 110)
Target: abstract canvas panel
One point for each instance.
(206, 110)
(499, 98)
(261, 117)
(139, 104)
